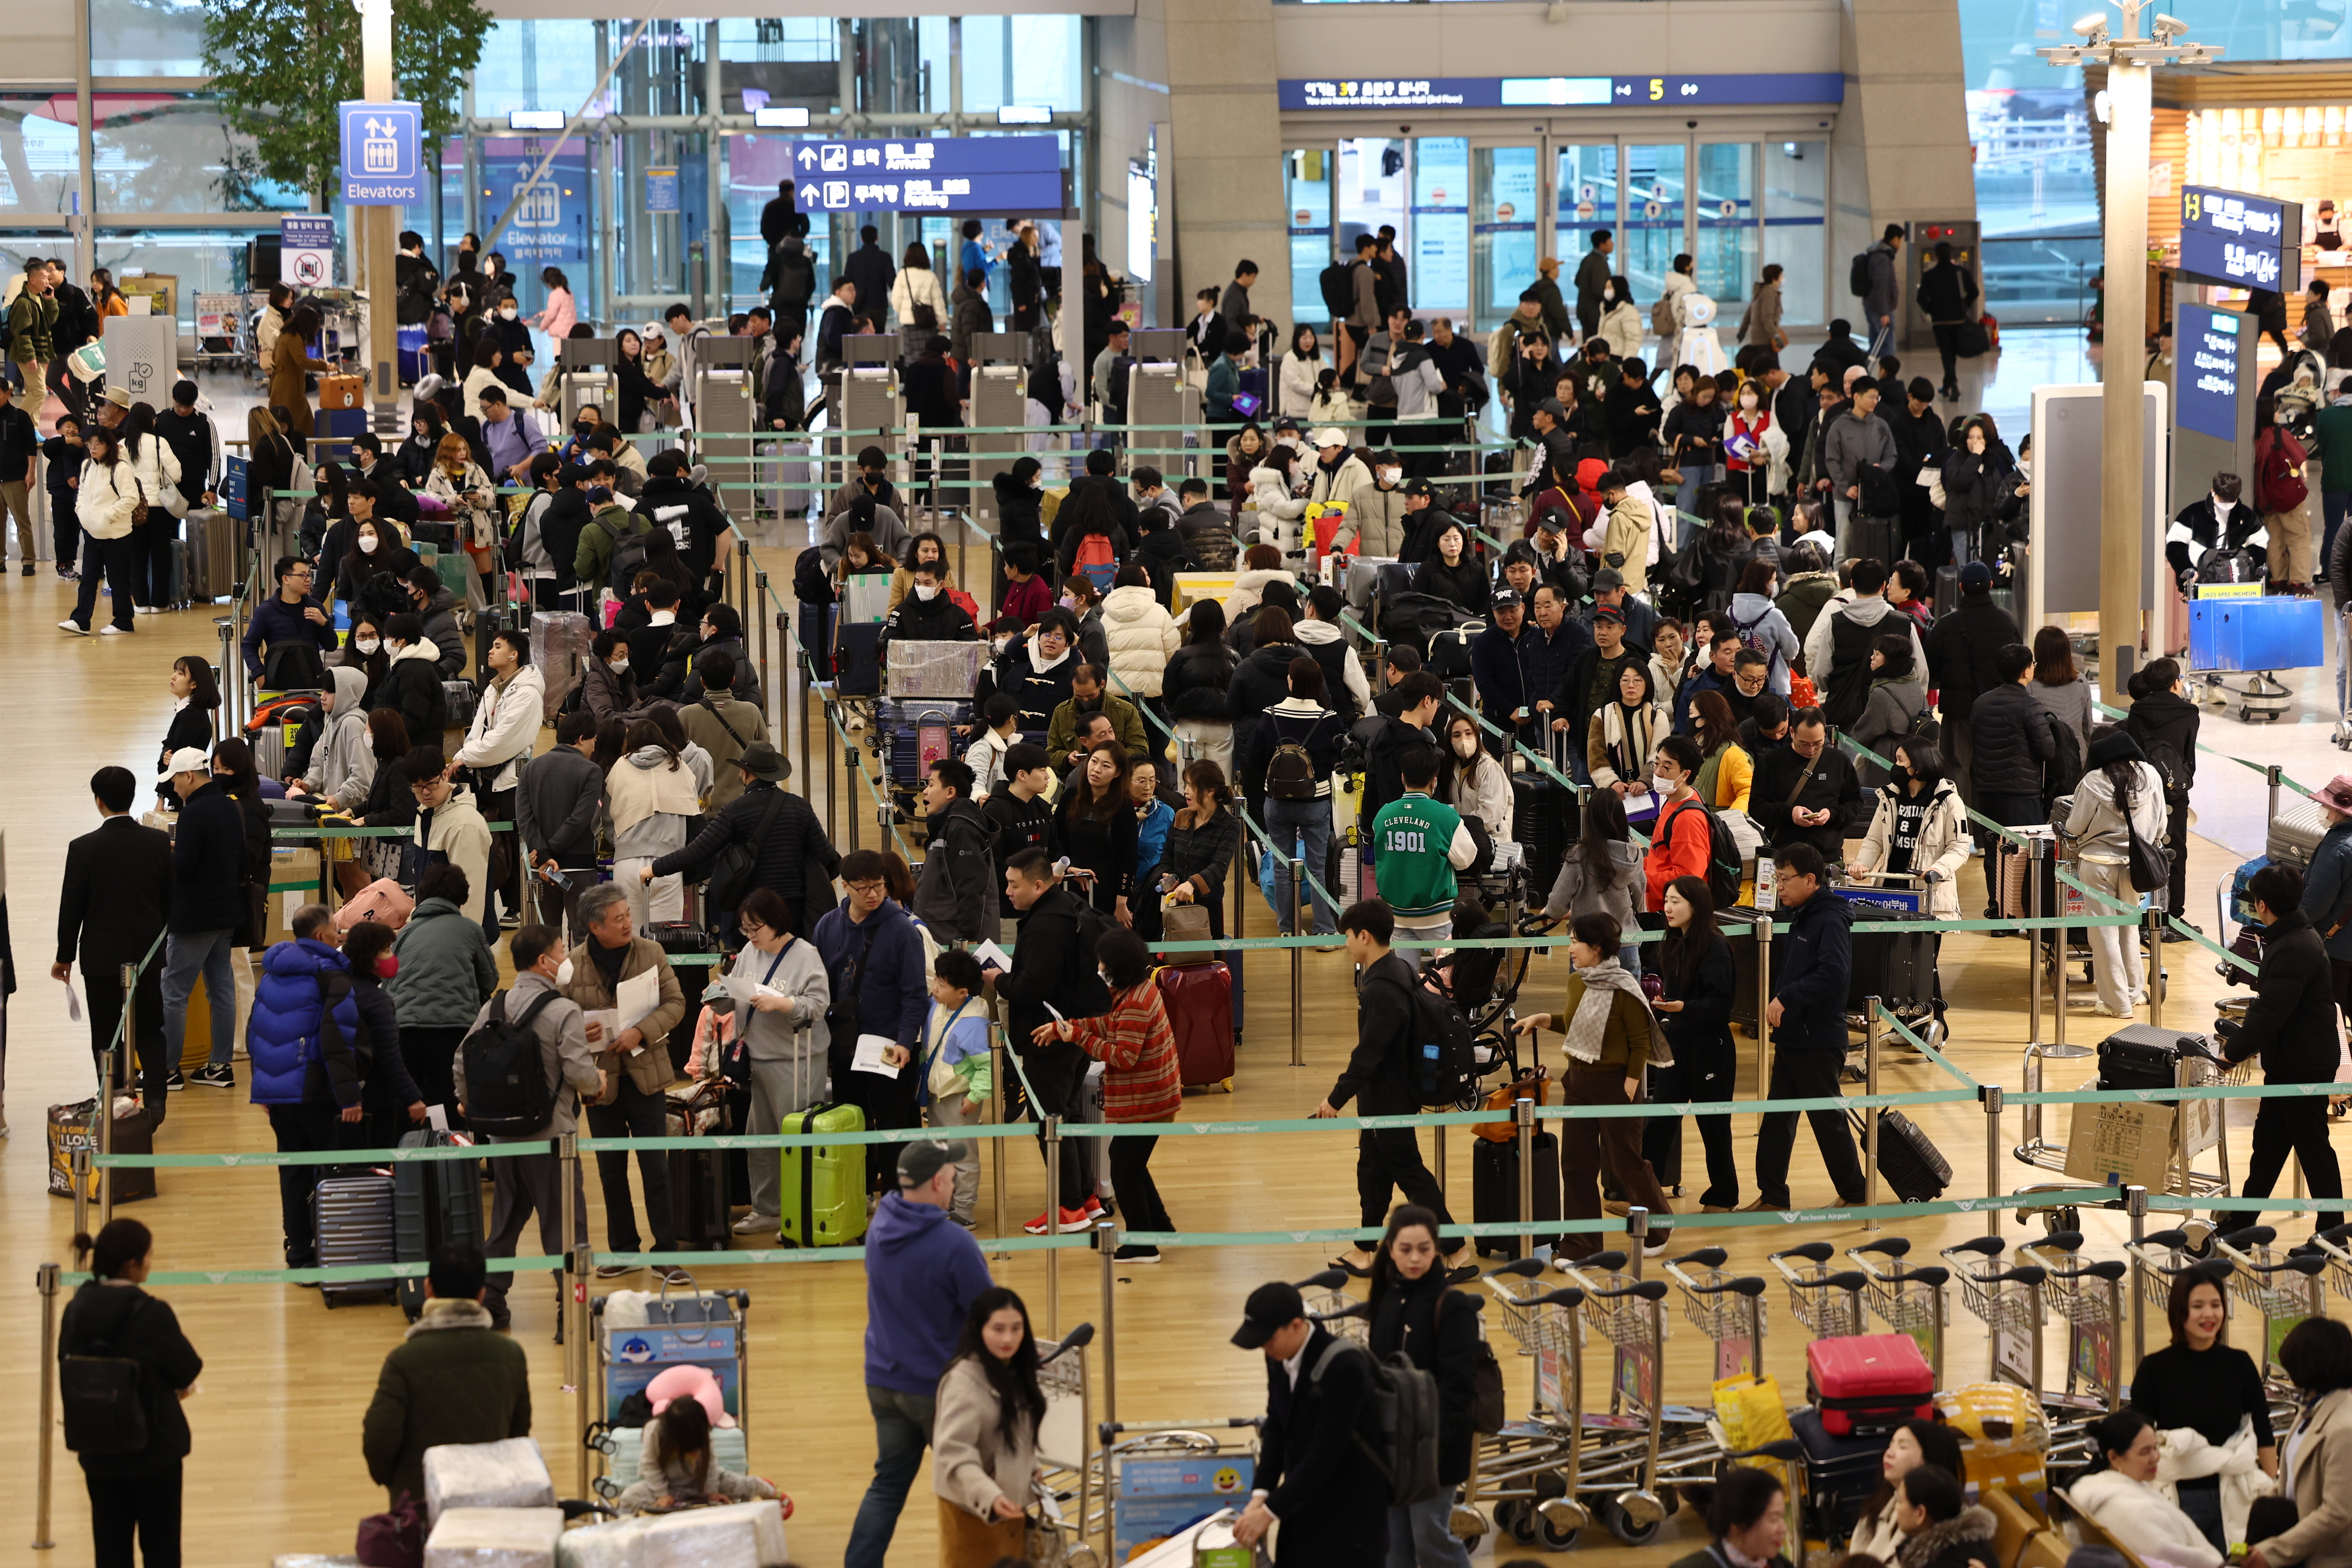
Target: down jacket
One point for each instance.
(1943, 844)
(343, 765)
(2013, 740)
(285, 1039)
(1142, 636)
(446, 971)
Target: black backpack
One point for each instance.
(2162, 756)
(1445, 1062)
(2064, 768)
(1339, 290)
(506, 1082)
(1857, 275)
(630, 553)
(1723, 861)
(736, 871)
(1398, 1428)
(104, 1407)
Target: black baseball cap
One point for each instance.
(1271, 1307)
(1418, 486)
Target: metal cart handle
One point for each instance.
(2024, 1274)
(1522, 1267)
(1851, 1279)
(1985, 1246)
(1647, 1290)
(2060, 1241)
(1893, 1246)
(1812, 1252)
(1705, 1258)
(1746, 1285)
(2172, 1240)
(1076, 1339)
(2251, 1236)
(2107, 1269)
(1566, 1296)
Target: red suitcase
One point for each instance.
(1198, 999)
(1865, 1384)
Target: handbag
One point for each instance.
(1185, 923)
(395, 1537)
(99, 1396)
(2150, 867)
(1534, 1084)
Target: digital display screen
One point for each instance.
(938, 175)
(1561, 92)
(2205, 377)
(2240, 241)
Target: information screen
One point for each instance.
(939, 174)
(2205, 379)
(2240, 241)
(1561, 92)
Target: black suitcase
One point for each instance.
(1496, 467)
(1840, 1473)
(1662, 1136)
(1915, 1169)
(2138, 1056)
(1948, 589)
(681, 937)
(698, 1199)
(433, 1202)
(858, 660)
(1495, 1190)
(1898, 967)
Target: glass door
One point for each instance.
(1796, 205)
(1307, 191)
(1506, 190)
(1657, 208)
(1371, 188)
(1724, 257)
(1439, 278)
(1586, 200)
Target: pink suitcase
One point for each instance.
(1198, 999)
(382, 900)
(1867, 1385)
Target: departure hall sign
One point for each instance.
(934, 175)
(1563, 93)
(2240, 241)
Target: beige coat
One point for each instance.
(648, 1066)
(2321, 1538)
(1943, 845)
(972, 1465)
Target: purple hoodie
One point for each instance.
(922, 1273)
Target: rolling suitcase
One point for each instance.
(1915, 1168)
(822, 1191)
(352, 1217)
(1495, 1191)
(1200, 1000)
(857, 659)
(698, 1199)
(2140, 1056)
(2295, 832)
(433, 1203)
(560, 641)
(459, 698)
(1839, 1472)
(1948, 589)
(1865, 1385)
(1898, 967)
(212, 550)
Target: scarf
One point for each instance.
(1602, 984)
(1615, 729)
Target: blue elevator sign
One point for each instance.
(383, 153)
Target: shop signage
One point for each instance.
(2205, 377)
(938, 175)
(1562, 92)
(2240, 241)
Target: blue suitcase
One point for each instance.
(2266, 633)
(342, 423)
(917, 734)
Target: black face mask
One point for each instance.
(583, 429)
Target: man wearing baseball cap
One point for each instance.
(1312, 1474)
(1338, 472)
(922, 1272)
(208, 910)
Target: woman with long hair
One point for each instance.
(1601, 872)
(1915, 1444)
(1201, 843)
(636, 391)
(271, 320)
(1097, 828)
(1196, 689)
(1417, 1312)
(917, 285)
(1695, 1013)
(1451, 573)
(985, 1433)
(375, 549)
(1919, 827)
(1136, 1046)
(1898, 697)
(471, 496)
(107, 506)
(651, 798)
(1727, 771)
(1474, 781)
(559, 315)
(2119, 795)
(1754, 615)
(421, 450)
(196, 696)
(290, 367)
(156, 468)
(135, 1488)
(1302, 370)
(2201, 1391)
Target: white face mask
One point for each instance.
(368, 543)
(927, 591)
(619, 666)
(367, 644)
(1608, 296)
(563, 973)
(1465, 748)
(1664, 785)
(1746, 399)
(506, 312)
(1390, 475)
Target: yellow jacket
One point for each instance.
(1628, 537)
(1735, 771)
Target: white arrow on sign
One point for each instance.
(808, 157)
(377, 128)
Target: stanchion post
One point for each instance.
(225, 714)
(1107, 1242)
(760, 601)
(1000, 1064)
(805, 667)
(2274, 776)
(1990, 1095)
(1297, 963)
(45, 1280)
(567, 1156)
(2034, 937)
(851, 807)
(1053, 1223)
(79, 1162)
(584, 1390)
(2058, 963)
(831, 780)
(1870, 1027)
(2136, 1206)
(1637, 1232)
(2155, 940)
(1439, 1170)
(1763, 1003)
(1523, 1112)
(2182, 1066)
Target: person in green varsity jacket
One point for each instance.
(1419, 842)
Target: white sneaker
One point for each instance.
(754, 1224)
(112, 630)
(73, 626)
(142, 609)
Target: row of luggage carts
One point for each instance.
(1623, 1455)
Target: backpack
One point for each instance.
(629, 555)
(1723, 858)
(2162, 756)
(2064, 768)
(736, 871)
(1096, 560)
(1290, 773)
(1750, 638)
(1398, 1428)
(1445, 1062)
(1661, 316)
(506, 1084)
(2278, 473)
(1857, 275)
(1339, 290)
(100, 1399)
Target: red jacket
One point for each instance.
(1023, 602)
(1137, 1048)
(1682, 846)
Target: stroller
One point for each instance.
(1484, 984)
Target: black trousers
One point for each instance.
(1707, 1071)
(498, 806)
(2175, 829)
(1058, 1072)
(1947, 344)
(1391, 1157)
(2299, 1127)
(1805, 1075)
(635, 1113)
(1131, 1178)
(431, 1055)
(147, 1506)
(150, 555)
(111, 559)
(105, 994)
(303, 1128)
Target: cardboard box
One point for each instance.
(2130, 1143)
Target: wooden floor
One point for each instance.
(277, 1465)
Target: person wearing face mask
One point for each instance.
(305, 1046)
(2219, 519)
(506, 328)
(411, 679)
(1756, 449)
(1620, 319)
(1082, 600)
(391, 1102)
(928, 615)
(340, 766)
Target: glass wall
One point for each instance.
(1306, 185)
(1796, 210)
(1503, 237)
(40, 156)
(146, 38)
(1724, 260)
(1656, 181)
(550, 64)
(169, 152)
(204, 260)
(1438, 265)
(1585, 200)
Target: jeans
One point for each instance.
(633, 1113)
(902, 1430)
(2300, 1125)
(184, 954)
(1686, 494)
(147, 1504)
(1805, 1075)
(111, 559)
(1307, 822)
(1420, 1534)
(1391, 1157)
(2201, 1499)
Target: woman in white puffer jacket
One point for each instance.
(1278, 510)
(157, 468)
(1141, 632)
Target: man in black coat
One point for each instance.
(1102, 473)
(411, 682)
(1418, 699)
(208, 911)
(956, 889)
(116, 896)
(1807, 792)
(1963, 650)
(2291, 1025)
(1314, 1477)
(783, 857)
(2013, 740)
(873, 272)
(1379, 1074)
(672, 499)
(2161, 714)
(1052, 962)
(927, 614)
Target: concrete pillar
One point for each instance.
(1901, 152)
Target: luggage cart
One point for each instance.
(2090, 1297)
(703, 1327)
(2336, 1246)
(1065, 1501)
(1532, 1468)
(1906, 1299)
(2283, 1286)
(1630, 1312)
(2013, 1316)
(1814, 1287)
(1225, 1447)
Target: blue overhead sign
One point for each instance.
(1004, 174)
(2205, 375)
(2240, 241)
(383, 153)
(1562, 92)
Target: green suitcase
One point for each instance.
(823, 1191)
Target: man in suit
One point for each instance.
(1312, 1475)
(132, 864)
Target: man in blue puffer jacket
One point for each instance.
(305, 1042)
